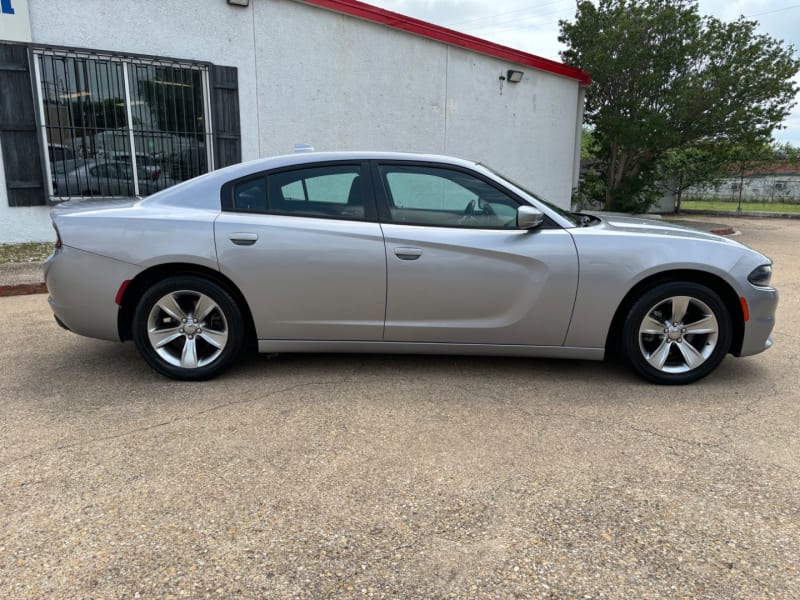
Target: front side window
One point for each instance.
(420, 195)
(108, 109)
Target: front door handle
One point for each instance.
(243, 239)
(408, 253)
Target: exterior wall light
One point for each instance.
(514, 76)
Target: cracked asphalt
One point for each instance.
(315, 476)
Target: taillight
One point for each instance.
(156, 173)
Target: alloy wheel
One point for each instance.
(187, 329)
(678, 334)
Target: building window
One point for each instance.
(145, 120)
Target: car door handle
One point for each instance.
(408, 253)
(243, 239)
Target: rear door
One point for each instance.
(304, 246)
(459, 271)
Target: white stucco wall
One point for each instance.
(340, 83)
(756, 188)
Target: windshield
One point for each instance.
(569, 216)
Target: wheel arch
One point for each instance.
(721, 287)
(139, 284)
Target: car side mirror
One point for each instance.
(528, 217)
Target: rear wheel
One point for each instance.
(188, 328)
(676, 333)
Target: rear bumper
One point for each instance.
(82, 288)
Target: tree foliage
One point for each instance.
(684, 168)
(785, 151)
(665, 78)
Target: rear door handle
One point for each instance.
(243, 239)
(407, 253)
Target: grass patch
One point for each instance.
(777, 207)
(29, 252)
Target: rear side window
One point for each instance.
(250, 194)
(327, 191)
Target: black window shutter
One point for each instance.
(225, 116)
(19, 135)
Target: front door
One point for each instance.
(459, 271)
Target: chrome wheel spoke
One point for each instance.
(651, 326)
(658, 357)
(690, 354)
(680, 304)
(215, 338)
(203, 308)
(161, 337)
(169, 305)
(707, 324)
(189, 354)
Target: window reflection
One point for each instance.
(90, 118)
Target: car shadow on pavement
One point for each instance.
(100, 372)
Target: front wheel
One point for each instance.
(676, 333)
(188, 328)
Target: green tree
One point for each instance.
(588, 150)
(683, 168)
(786, 151)
(665, 78)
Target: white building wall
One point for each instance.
(347, 84)
(525, 130)
(339, 83)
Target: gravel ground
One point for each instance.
(315, 476)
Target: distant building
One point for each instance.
(153, 92)
(760, 181)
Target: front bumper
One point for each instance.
(762, 302)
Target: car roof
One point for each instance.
(300, 158)
(220, 176)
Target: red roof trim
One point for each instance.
(448, 36)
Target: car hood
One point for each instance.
(639, 225)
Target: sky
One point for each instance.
(532, 26)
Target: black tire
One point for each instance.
(176, 341)
(676, 333)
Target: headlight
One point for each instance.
(760, 275)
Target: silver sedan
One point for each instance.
(398, 253)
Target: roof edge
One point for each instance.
(395, 20)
